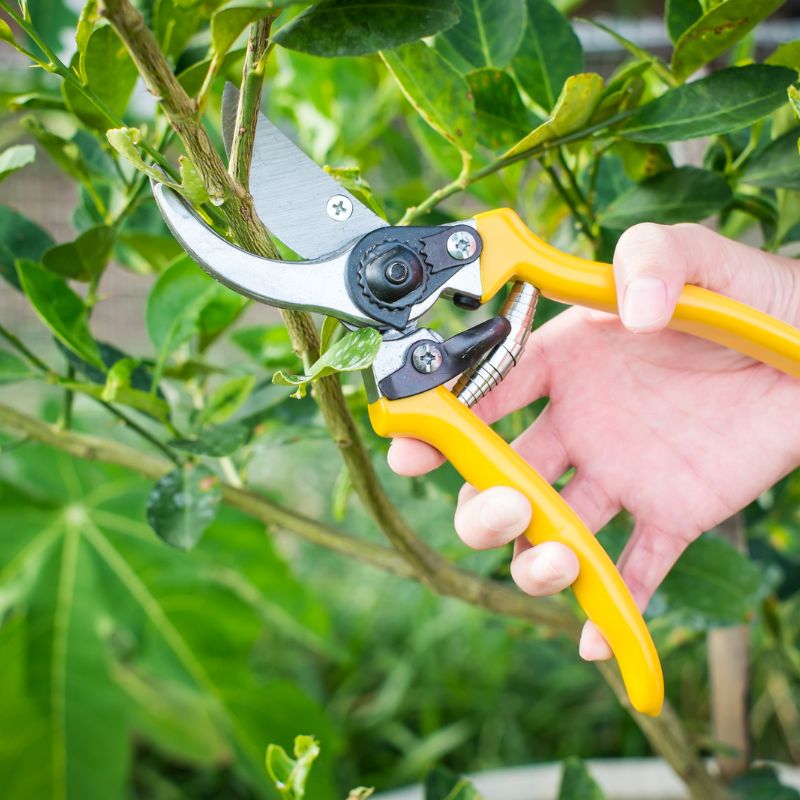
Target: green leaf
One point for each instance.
(148, 403)
(440, 95)
(577, 783)
(6, 34)
(703, 597)
(290, 775)
(83, 32)
(183, 504)
(353, 352)
(112, 642)
(84, 258)
(125, 141)
(110, 74)
(19, 238)
(786, 55)
(331, 332)
(228, 22)
(763, 783)
(60, 309)
(13, 369)
(218, 441)
(500, 116)
(349, 28)
(722, 102)
(268, 345)
(794, 100)
(193, 76)
(15, 158)
(192, 186)
(711, 35)
(144, 252)
(577, 102)
(487, 35)
(226, 399)
(65, 153)
(174, 306)
(680, 15)
(124, 384)
(686, 194)
(361, 793)
(550, 52)
(441, 784)
(777, 166)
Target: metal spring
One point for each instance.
(518, 309)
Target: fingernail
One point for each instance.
(503, 514)
(645, 304)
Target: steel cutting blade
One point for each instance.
(293, 194)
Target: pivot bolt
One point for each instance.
(396, 272)
(339, 208)
(461, 245)
(426, 358)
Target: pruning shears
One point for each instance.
(365, 272)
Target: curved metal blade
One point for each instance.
(308, 285)
(291, 192)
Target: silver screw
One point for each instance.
(461, 245)
(340, 208)
(426, 358)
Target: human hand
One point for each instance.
(680, 432)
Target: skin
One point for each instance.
(680, 432)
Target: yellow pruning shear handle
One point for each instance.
(511, 251)
(485, 460)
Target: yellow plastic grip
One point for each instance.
(485, 460)
(511, 251)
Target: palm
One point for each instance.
(679, 432)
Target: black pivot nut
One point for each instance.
(394, 273)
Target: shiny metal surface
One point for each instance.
(291, 192)
(518, 309)
(309, 285)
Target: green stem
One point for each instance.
(29, 356)
(464, 181)
(258, 49)
(585, 227)
(582, 201)
(65, 421)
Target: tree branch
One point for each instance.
(258, 45)
(461, 585)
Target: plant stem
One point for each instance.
(464, 181)
(258, 45)
(568, 201)
(22, 348)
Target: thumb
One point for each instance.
(650, 270)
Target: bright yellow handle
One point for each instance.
(485, 460)
(511, 251)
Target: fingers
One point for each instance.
(544, 569)
(647, 558)
(492, 518)
(652, 263)
(410, 457)
(650, 270)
